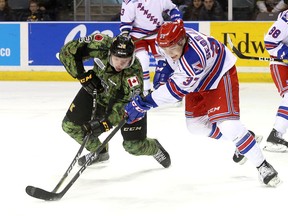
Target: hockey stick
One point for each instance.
(51, 196)
(144, 37)
(242, 56)
(85, 140)
(76, 157)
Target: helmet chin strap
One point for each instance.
(132, 60)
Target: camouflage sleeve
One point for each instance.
(67, 58)
(75, 52)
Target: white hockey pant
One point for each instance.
(144, 59)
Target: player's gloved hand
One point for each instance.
(90, 81)
(175, 15)
(162, 73)
(96, 127)
(136, 109)
(283, 52)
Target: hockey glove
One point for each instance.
(90, 81)
(136, 109)
(162, 73)
(283, 52)
(96, 127)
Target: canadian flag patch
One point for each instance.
(133, 81)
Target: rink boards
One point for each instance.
(29, 51)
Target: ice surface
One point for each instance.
(202, 180)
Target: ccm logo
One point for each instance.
(213, 109)
(132, 129)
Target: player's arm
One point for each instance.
(127, 17)
(172, 10)
(274, 37)
(72, 56)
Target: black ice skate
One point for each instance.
(103, 156)
(268, 175)
(241, 159)
(162, 156)
(275, 143)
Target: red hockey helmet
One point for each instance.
(170, 33)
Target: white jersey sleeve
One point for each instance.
(144, 17)
(276, 39)
(201, 67)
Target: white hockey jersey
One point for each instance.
(144, 17)
(276, 39)
(204, 62)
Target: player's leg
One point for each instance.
(197, 123)
(78, 113)
(142, 53)
(275, 140)
(223, 106)
(135, 142)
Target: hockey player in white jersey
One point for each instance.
(205, 67)
(276, 43)
(141, 18)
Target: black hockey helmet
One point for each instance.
(122, 47)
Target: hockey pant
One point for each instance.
(135, 139)
(143, 48)
(79, 112)
(215, 114)
(134, 135)
(279, 75)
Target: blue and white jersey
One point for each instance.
(276, 39)
(202, 65)
(144, 17)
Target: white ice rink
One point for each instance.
(202, 180)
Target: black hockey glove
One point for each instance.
(97, 127)
(90, 81)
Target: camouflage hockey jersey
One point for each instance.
(120, 86)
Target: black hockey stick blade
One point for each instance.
(257, 58)
(52, 196)
(42, 194)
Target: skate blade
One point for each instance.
(258, 138)
(243, 161)
(274, 182)
(275, 148)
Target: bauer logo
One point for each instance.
(10, 45)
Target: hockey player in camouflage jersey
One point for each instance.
(117, 78)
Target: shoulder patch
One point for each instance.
(98, 37)
(89, 38)
(133, 81)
